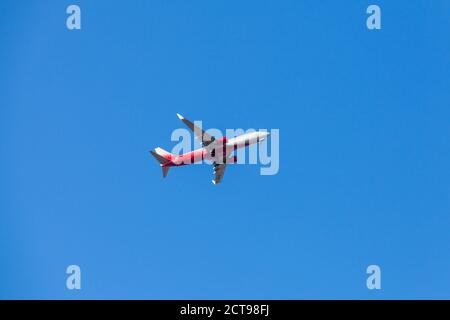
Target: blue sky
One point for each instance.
(364, 149)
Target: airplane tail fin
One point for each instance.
(164, 158)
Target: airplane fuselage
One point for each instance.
(225, 146)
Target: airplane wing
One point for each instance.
(208, 142)
(204, 137)
(219, 170)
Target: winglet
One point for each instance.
(180, 116)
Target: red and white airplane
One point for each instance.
(217, 150)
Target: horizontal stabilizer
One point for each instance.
(160, 158)
(165, 171)
(164, 153)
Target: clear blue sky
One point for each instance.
(364, 157)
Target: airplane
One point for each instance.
(217, 150)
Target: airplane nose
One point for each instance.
(262, 135)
